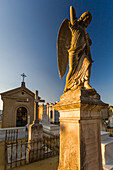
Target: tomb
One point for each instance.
(48, 128)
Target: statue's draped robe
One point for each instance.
(79, 57)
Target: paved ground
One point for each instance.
(47, 164)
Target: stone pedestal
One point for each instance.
(80, 140)
(34, 141)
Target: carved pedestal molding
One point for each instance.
(80, 140)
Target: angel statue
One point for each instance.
(73, 43)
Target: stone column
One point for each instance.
(53, 119)
(47, 107)
(80, 141)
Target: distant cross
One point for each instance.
(36, 101)
(23, 75)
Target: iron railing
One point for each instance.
(20, 151)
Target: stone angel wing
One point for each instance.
(63, 45)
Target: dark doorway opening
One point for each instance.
(21, 119)
(51, 114)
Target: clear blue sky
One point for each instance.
(28, 37)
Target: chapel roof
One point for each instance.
(16, 90)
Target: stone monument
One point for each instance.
(80, 105)
(35, 132)
(48, 128)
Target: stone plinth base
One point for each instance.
(108, 166)
(34, 141)
(107, 150)
(80, 140)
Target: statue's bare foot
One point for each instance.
(87, 86)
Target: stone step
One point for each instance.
(108, 166)
(107, 150)
(104, 135)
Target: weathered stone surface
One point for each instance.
(107, 150)
(80, 141)
(73, 44)
(34, 140)
(35, 131)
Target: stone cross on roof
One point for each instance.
(23, 75)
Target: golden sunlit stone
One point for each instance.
(80, 141)
(73, 44)
(80, 105)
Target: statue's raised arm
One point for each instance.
(73, 44)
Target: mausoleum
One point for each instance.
(52, 114)
(18, 107)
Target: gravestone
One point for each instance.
(45, 118)
(35, 133)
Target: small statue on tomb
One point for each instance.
(74, 44)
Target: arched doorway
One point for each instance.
(21, 118)
(51, 114)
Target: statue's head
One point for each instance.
(85, 19)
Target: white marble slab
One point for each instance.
(50, 128)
